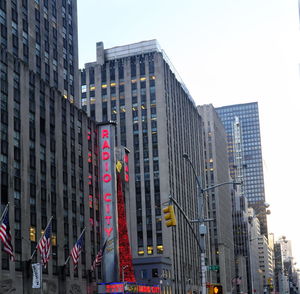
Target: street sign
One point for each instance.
(213, 267)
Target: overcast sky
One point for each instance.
(227, 52)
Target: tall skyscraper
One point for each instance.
(216, 168)
(43, 143)
(41, 36)
(247, 116)
(157, 120)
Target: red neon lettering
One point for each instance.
(108, 231)
(105, 145)
(126, 168)
(105, 133)
(106, 166)
(126, 178)
(107, 208)
(105, 197)
(108, 218)
(126, 158)
(107, 178)
(105, 155)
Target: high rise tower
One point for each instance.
(41, 37)
(247, 132)
(43, 143)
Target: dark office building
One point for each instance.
(157, 120)
(250, 144)
(44, 144)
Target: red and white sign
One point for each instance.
(108, 201)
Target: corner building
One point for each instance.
(157, 120)
(44, 168)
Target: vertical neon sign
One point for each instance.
(108, 201)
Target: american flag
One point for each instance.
(99, 256)
(5, 235)
(76, 250)
(44, 245)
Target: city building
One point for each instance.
(44, 150)
(286, 248)
(242, 282)
(253, 180)
(286, 275)
(219, 204)
(254, 249)
(279, 276)
(244, 249)
(265, 255)
(42, 35)
(157, 120)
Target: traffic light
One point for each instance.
(215, 289)
(170, 216)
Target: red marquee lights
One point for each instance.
(124, 246)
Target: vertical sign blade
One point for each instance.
(108, 202)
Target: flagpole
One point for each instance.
(75, 243)
(41, 237)
(3, 213)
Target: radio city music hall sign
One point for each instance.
(108, 200)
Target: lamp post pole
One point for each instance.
(202, 220)
(124, 267)
(202, 226)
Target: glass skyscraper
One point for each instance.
(247, 116)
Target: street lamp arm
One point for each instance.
(187, 220)
(185, 156)
(218, 185)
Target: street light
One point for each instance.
(124, 267)
(201, 220)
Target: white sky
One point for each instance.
(227, 52)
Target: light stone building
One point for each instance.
(157, 120)
(221, 245)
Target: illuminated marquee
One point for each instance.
(108, 200)
(127, 288)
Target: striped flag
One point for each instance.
(44, 245)
(5, 235)
(99, 256)
(76, 250)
